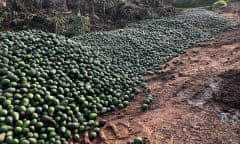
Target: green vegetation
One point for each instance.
(3, 16)
(190, 3)
(52, 88)
(219, 4)
(185, 4)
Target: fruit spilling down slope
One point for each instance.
(52, 88)
(142, 46)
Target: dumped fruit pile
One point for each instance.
(142, 46)
(52, 88)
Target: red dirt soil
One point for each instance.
(189, 97)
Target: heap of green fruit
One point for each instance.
(52, 88)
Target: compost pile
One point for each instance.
(52, 88)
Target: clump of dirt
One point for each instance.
(232, 11)
(199, 95)
(229, 94)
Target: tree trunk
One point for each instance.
(237, 11)
(41, 3)
(54, 4)
(104, 8)
(56, 27)
(65, 3)
(92, 7)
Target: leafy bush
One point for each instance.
(219, 4)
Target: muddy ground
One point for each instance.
(196, 99)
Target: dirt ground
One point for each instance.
(196, 99)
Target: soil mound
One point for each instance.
(229, 93)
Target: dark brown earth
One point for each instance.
(71, 17)
(196, 98)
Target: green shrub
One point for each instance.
(219, 4)
(190, 3)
